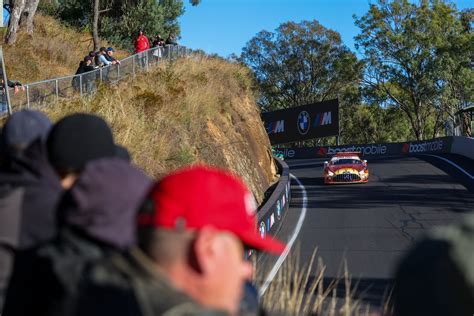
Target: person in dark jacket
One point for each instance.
(88, 80)
(96, 219)
(16, 85)
(29, 188)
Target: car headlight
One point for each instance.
(330, 173)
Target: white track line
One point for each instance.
(289, 244)
(453, 164)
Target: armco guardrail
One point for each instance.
(272, 212)
(437, 145)
(43, 93)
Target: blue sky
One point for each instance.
(225, 26)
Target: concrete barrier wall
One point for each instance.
(272, 213)
(463, 146)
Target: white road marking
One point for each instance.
(290, 243)
(452, 164)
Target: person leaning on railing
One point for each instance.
(16, 85)
(85, 66)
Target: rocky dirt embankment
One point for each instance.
(189, 111)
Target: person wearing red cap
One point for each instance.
(192, 230)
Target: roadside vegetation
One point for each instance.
(302, 288)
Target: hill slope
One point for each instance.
(189, 111)
(55, 50)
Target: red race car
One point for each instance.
(346, 167)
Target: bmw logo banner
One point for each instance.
(302, 122)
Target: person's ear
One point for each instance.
(204, 250)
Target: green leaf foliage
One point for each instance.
(120, 21)
(419, 58)
(302, 63)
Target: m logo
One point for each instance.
(303, 122)
(323, 119)
(276, 127)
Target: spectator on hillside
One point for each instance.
(192, 230)
(159, 41)
(95, 216)
(100, 59)
(88, 80)
(29, 188)
(16, 85)
(92, 54)
(171, 40)
(141, 43)
(436, 278)
(110, 56)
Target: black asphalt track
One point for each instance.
(372, 225)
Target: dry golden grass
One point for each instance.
(289, 293)
(189, 111)
(55, 50)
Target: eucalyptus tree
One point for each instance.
(419, 58)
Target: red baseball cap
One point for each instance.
(198, 196)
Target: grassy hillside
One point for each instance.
(193, 110)
(186, 112)
(54, 50)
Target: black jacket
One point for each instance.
(83, 68)
(96, 217)
(29, 194)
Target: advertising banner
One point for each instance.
(438, 145)
(303, 122)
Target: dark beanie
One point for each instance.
(22, 128)
(77, 139)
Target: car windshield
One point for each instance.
(346, 161)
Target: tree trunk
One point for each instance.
(95, 25)
(18, 7)
(30, 10)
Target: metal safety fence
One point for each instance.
(45, 93)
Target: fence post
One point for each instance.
(28, 96)
(57, 89)
(118, 72)
(146, 60)
(133, 66)
(100, 74)
(80, 85)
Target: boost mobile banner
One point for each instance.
(438, 145)
(303, 122)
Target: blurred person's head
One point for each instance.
(194, 226)
(21, 129)
(104, 201)
(110, 51)
(103, 50)
(74, 141)
(92, 54)
(436, 277)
